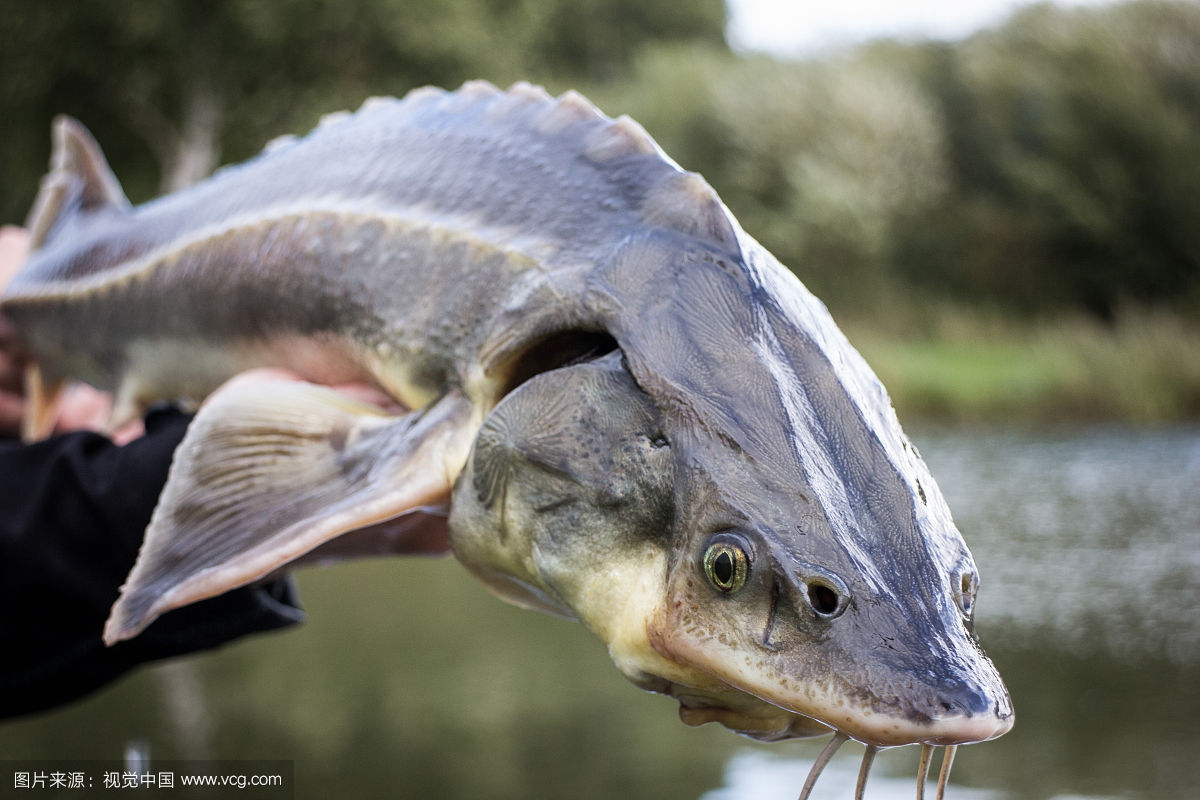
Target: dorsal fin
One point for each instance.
(79, 178)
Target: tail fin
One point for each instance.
(79, 179)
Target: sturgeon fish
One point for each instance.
(617, 406)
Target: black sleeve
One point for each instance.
(72, 513)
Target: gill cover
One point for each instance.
(565, 505)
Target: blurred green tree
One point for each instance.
(194, 83)
(1051, 164)
(1074, 151)
(815, 158)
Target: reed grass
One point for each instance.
(1144, 368)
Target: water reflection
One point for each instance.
(1090, 540)
(408, 680)
(1089, 546)
(764, 776)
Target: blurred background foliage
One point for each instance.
(1006, 225)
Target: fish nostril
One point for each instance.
(967, 589)
(823, 599)
(821, 590)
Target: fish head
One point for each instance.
(779, 614)
(838, 623)
(728, 501)
(815, 578)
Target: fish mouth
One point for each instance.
(896, 727)
(748, 717)
(750, 704)
(769, 723)
(756, 718)
(963, 705)
(947, 731)
(970, 707)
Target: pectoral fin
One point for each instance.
(271, 471)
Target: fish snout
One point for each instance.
(960, 699)
(974, 710)
(884, 673)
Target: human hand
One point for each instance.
(14, 245)
(360, 390)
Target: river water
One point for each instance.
(409, 680)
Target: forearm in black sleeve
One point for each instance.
(72, 513)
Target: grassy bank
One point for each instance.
(1143, 369)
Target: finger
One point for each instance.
(127, 433)
(261, 374)
(83, 408)
(366, 393)
(14, 247)
(359, 390)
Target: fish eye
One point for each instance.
(726, 565)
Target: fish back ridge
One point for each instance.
(552, 177)
(504, 160)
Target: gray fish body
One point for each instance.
(398, 228)
(791, 566)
